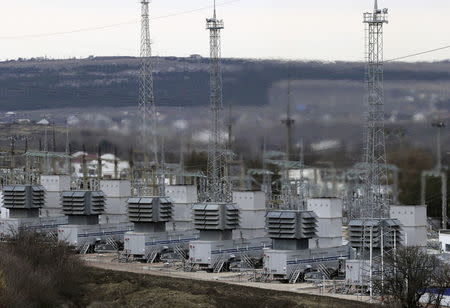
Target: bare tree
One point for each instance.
(409, 274)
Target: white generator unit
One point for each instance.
(150, 240)
(413, 219)
(54, 185)
(116, 193)
(183, 198)
(216, 249)
(24, 203)
(252, 214)
(329, 222)
(83, 231)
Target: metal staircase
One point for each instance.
(151, 255)
(190, 267)
(245, 259)
(110, 241)
(265, 277)
(295, 275)
(84, 250)
(180, 252)
(325, 272)
(123, 257)
(52, 235)
(218, 265)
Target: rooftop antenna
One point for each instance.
(218, 188)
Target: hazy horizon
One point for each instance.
(324, 30)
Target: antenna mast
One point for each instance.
(289, 122)
(375, 203)
(217, 183)
(147, 107)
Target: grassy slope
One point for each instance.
(122, 289)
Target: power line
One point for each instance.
(418, 54)
(135, 21)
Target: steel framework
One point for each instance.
(218, 187)
(375, 204)
(439, 171)
(147, 108)
(289, 122)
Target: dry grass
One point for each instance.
(36, 272)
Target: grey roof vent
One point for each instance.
(149, 209)
(23, 197)
(216, 216)
(359, 232)
(83, 203)
(291, 224)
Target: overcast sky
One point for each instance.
(282, 29)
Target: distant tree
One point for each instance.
(409, 274)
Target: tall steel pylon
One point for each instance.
(147, 107)
(218, 188)
(376, 202)
(289, 122)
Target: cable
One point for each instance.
(135, 21)
(418, 54)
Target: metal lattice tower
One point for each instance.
(218, 189)
(289, 122)
(147, 107)
(376, 204)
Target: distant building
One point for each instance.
(43, 122)
(108, 161)
(325, 145)
(195, 56)
(23, 121)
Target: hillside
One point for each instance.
(112, 82)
